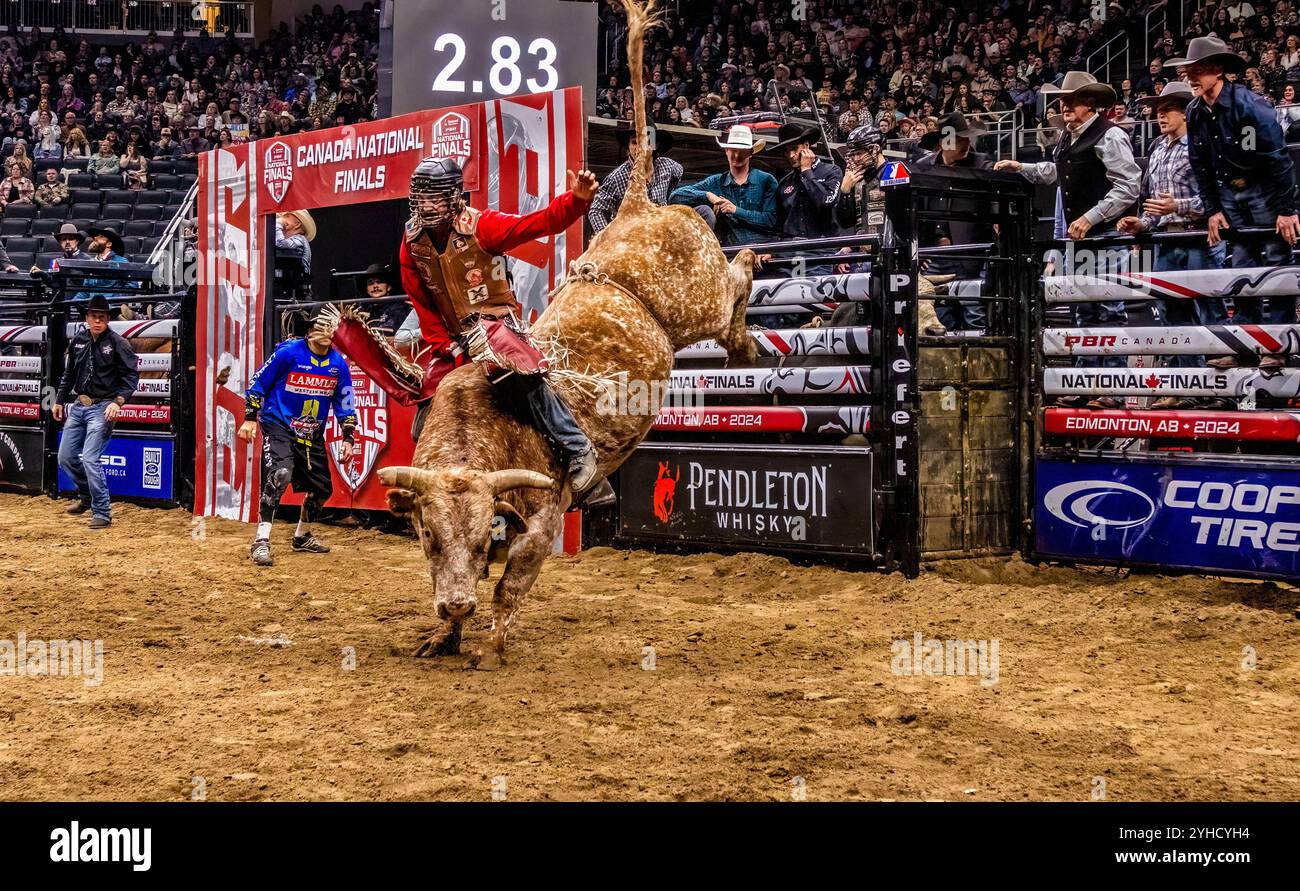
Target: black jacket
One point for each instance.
(101, 369)
(806, 201)
(954, 231)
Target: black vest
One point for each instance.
(1080, 172)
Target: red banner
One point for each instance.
(130, 413)
(1263, 426)
(367, 162)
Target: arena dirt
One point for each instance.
(768, 678)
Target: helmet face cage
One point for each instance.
(435, 204)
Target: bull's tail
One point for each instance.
(741, 351)
(640, 19)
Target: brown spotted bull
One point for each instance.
(652, 282)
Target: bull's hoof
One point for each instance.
(440, 643)
(486, 660)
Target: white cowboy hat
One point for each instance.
(741, 137)
(308, 224)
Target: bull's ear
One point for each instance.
(512, 516)
(401, 502)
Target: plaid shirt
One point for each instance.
(1169, 171)
(667, 176)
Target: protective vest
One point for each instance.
(460, 280)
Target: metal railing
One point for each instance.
(174, 255)
(1111, 58)
(130, 16)
(1154, 25)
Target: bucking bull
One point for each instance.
(652, 282)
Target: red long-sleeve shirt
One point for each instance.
(497, 233)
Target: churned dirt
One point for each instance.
(769, 679)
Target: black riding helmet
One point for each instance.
(864, 137)
(437, 191)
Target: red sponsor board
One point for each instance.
(130, 414)
(1264, 426)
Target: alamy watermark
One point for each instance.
(52, 658)
(626, 395)
(921, 657)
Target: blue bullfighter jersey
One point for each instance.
(292, 387)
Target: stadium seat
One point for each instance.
(22, 245)
(81, 180)
(15, 226)
(87, 196)
(166, 181)
(84, 211)
(107, 181)
(120, 196)
(176, 198)
(20, 210)
(43, 259)
(188, 167)
(49, 243)
(42, 164)
(54, 212)
(75, 163)
(117, 211)
(148, 244)
(152, 196)
(146, 212)
(138, 227)
(83, 223)
(188, 179)
(23, 261)
(160, 227)
(46, 227)
(162, 166)
(132, 243)
(110, 223)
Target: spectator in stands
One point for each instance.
(1099, 183)
(666, 176)
(1172, 203)
(17, 189)
(806, 195)
(52, 192)
(76, 145)
(193, 145)
(106, 161)
(165, 149)
(21, 158)
(740, 203)
(1288, 114)
(135, 168)
(70, 239)
(46, 146)
(1242, 185)
(121, 104)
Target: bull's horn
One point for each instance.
(517, 478)
(414, 478)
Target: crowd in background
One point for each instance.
(902, 65)
(117, 106)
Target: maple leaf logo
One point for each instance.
(1152, 381)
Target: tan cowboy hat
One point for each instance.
(1174, 91)
(1083, 84)
(741, 137)
(1212, 50)
(308, 224)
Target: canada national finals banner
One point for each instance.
(516, 153)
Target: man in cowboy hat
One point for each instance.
(1098, 183)
(294, 231)
(950, 145)
(1172, 203)
(740, 203)
(666, 175)
(387, 315)
(806, 195)
(70, 238)
(1239, 155)
(291, 397)
(100, 373)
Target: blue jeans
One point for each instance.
(1244, 209)
(85, 433)
(1190, 255)
(1108, 314)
